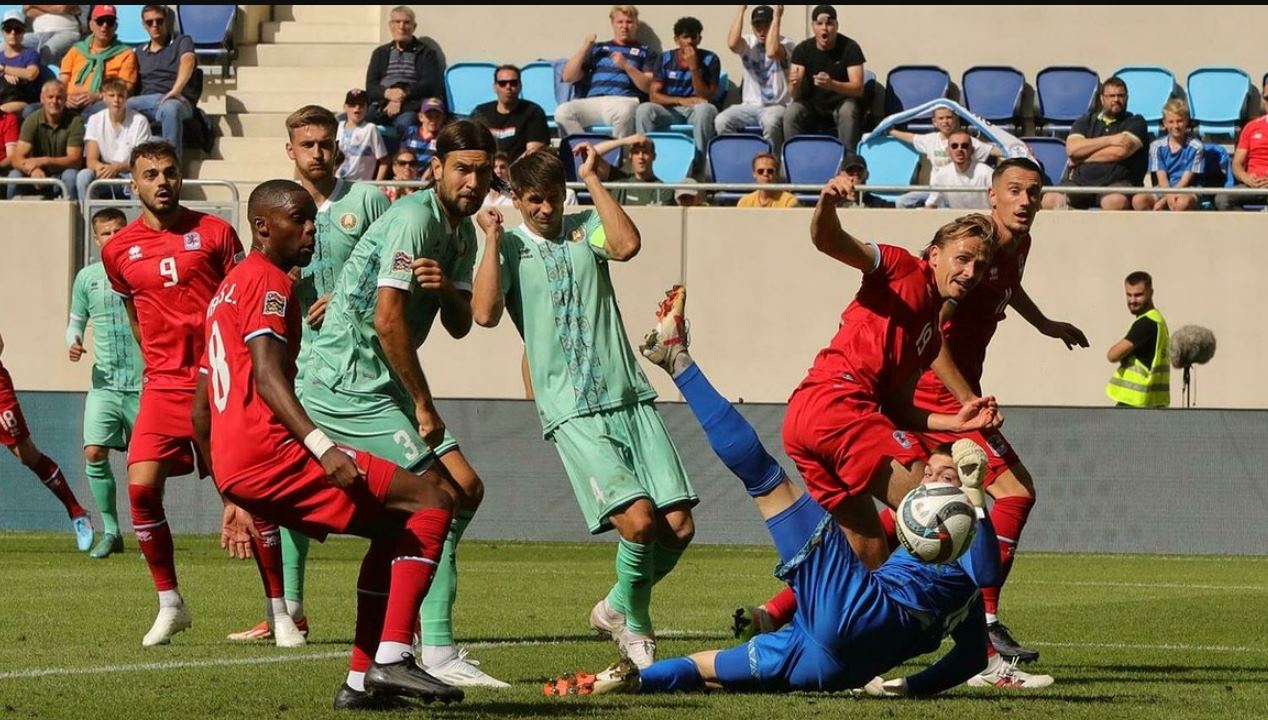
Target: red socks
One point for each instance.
(372, 589)
(153, 535)
(51, 475)
(417, 553)
(267, 550)
(781, 608)
(1009, 517)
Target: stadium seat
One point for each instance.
(1065, 94)
(131, 30)
(1050, 152)
(907, 86)
(811, 160)
(731, 158)
(538, 86)
(1217, 96)
(889, 162)
(994, 92)
(675, 154)
(469, 84)
(1148, 89)
(211, 29)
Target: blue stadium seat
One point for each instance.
(1065, 94)
(675, 153)
(731, 158)
(131, 30)
(907, 86)
(1050, 152)
(538, 80)
(469, 84)
(811, 160)
(994, 92)
(889, 162)
(1148, 89)
(211, 29)
(1217, 96)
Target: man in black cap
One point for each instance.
(854, 167)
(765, 55)
(826, 79)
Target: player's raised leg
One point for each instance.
(1014, 494)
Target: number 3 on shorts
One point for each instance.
(403, 439)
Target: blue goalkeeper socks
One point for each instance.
(676, 674)
(730, 435)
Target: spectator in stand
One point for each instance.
(1106, 148)
(964, 170)
(19, 85)
(500, 189)
(364, 154)
(51, 143)
(826, 82)
(95, 59)
(1176, 160)
(109, 137)
(610, 78)
(934, 147)
(421, 137)
(166, 67)
(765, 56)
(766, 171)
(8, 139)
(684, 85)
(54, 28)
(686, 197)
(642, 157)
(405, 168)
(854, 167)
(401, 74)
(518, 125)
(1250, 163)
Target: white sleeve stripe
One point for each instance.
(876, 262)
(263, 331)
(204, 371)
(80, 318)
(120, 294)
(394, 283)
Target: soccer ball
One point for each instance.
(936, 522)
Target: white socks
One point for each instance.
(391, 652)
(274, 607)
(295, 608)
(356, 680)
(433, 655)
(991, 618)
(170, 598)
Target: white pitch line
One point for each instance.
(1143, 585)
(1164, 646)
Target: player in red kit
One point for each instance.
(167, 265)
(956, 375)
(15, 436)
(292, 474)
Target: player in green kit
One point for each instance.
(364, 384)
(595, 404)
(344, 211)
(115, 397)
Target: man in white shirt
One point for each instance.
(109, 138)
(963, 170)
(934, 147)
(765, 54)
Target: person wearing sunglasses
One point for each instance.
(765, 172)
(167, 65)
(94, 59)
(964, 170)
(518, 125)
(20, 66)
(54, 28)
(404, 167)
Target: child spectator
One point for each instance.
(421, 138)
(1176, 160)
(109, 138)
(364, 154)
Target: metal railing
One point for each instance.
(56, 182)
(131, 207)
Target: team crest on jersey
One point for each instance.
(193, 241)
(401, 261)
(903, 439)
(578, 234)
(348, 221)
(275, 303)
(134, 252)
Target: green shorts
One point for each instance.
(109, 416)
(378, 424)
(617, 456)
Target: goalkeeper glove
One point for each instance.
(970, 464)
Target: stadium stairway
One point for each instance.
(305, 54)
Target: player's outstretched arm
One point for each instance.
(622, 239)
(487, 303)
(944, 365)
(1063, 331)
(977, 414)
(826, 231)
(398, 346)
(966, 659)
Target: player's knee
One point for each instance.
(681, 529)
(637, 523)
(96, 454)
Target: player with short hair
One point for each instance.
(111, 407)
(344, 211)
(291, 473)
(167, 265)
(365, 385)
(595, 404)
(15, 436)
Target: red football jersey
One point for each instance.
(971, 327)
(170, 275)
(889, 332)
(254, 300)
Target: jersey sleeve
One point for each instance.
(965, 660)
(401, 244)
(78, 309)
(890, 263)
(117, 282)
(376, 144)
(230, 247)
(982, 562)
(593, 234)
(262, 308)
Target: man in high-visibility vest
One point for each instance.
(1143, 377)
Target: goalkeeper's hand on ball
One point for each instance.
(970, 464)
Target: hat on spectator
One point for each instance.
(432, 104)
(762, 15)
(686, 192)
(822, 9)
(851, 161)
(356, 96)
(100, 11)
(14, 17)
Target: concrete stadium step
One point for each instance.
(264, 148)
(334, 33)
(254, 172)
(284, 101)
(328, 13)
(309, 54)
(293, 77)
(257, 124)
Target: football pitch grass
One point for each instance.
(1125, 636)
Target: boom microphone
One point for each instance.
(1192, 345)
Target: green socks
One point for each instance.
(294, 558)
(632, 593)
(101, 482)
(665, 560)
(436, 615)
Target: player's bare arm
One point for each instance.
(1063, 331)
(486, 297)
(975, 414)
(622, 238)
(828, 235)
(398, 346)
(268, 360)
(944, 365)
(317, 313)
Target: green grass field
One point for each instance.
(1125, 636)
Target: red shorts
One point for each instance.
(839, 439)
(164, 431)
(293, 491)
(12, 424)
(999, 454)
